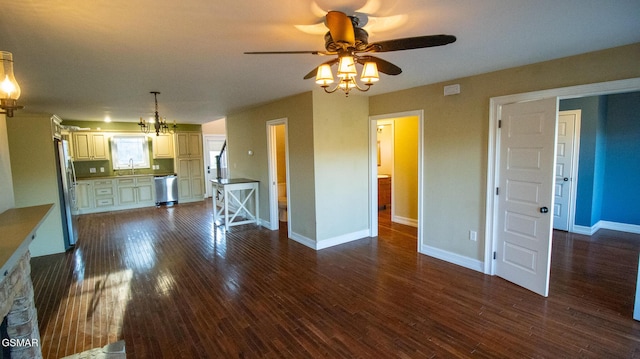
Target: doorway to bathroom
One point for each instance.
(278, 158)
(396, 172)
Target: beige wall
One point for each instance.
(33, 166)
(6, 193)
(456, 135)
(217, 127)
(341, 153)
(247, 130)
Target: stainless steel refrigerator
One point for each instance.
(67, 191)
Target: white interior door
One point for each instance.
(564, 169)
(525, 193)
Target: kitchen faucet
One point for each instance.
(133, 171)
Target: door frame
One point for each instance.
(272, 161)
(495, 104)
(207, 160)
(373, 170)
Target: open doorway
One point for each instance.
(395, 167)
(498, 250)
(278, 161)
(213, 145)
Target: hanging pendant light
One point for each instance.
(9, 88)
(159, 124)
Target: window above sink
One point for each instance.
(129, 152)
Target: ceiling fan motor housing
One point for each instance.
(361, 36)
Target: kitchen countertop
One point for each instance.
(18, 226)
(124, 176)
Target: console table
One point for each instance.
(231, 198)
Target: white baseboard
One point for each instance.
(267, 225)
(303, 240)
(614, 226)
(345, 238)
(406, 221)
(326, 243)
(454, 258)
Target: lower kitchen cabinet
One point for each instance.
(113, 194)
(136, 192)
(190, 179)
(83, 197)
(104, 194)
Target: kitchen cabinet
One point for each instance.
(384, 192)
(190, 179)
(90, 146)
(114, 193)
(83, 197)
(189, 166)
(189, 144)
(163, 146)
(135, 192)
(104, 194)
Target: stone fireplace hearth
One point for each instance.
(16, 299)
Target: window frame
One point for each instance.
(141, 160)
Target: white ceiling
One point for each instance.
(85, 59)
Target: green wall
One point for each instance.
(246, 130)
(34, 173)
(6, 195)
(341, 162)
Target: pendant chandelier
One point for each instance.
(159, 124)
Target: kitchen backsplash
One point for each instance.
(83, 168)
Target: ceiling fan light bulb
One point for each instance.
(324, 76)
(370, 73)
(9, 88)
(347, 67)
(347, 84)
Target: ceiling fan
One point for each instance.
(350, 43)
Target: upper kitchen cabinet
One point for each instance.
(90, 146)
(189, 144)
(163, 146)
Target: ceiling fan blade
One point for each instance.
(410, 43)
(313, 72)
(384, 66)
(340, 27)
(287, 52)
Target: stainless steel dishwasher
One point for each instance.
(166, 189)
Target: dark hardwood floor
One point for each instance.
(170, 286)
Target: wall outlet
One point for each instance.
(156, 167)
(102, 169)
(473, 236)
(92, 170)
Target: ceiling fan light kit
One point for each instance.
(346, 39)
(347, 75)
